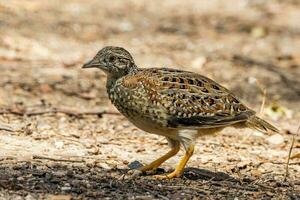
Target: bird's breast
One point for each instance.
(137, 108)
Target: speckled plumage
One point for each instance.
(177, 99)
(179, 105)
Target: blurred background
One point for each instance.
(50, 107)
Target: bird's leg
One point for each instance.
(175, 147)
(180, 167)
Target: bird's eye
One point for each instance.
(111, 58)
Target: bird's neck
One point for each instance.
(112, 78)
(133, 69)
(110, 82)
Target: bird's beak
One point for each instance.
(91, 64)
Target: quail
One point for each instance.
(179, 105)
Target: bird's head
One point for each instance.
(114, 61)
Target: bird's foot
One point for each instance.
(174, 174)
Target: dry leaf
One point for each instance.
(45, 88)
(275, 111)
(259, 32)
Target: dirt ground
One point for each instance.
(60, 138)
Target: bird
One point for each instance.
(177, 104)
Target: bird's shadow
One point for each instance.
(191, 173)
(204, 174)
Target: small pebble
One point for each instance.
(275, 139)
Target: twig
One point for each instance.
(289, 156)
(6, 127)
(55, 159)
(282, 163)
(75, 94)
(54, 111)
(65, 111)
(5, 158)
(264, 93)
(265, 186)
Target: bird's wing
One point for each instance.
(188, 100)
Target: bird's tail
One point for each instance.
(261, 125)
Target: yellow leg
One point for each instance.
(155, 164)
(180, 167)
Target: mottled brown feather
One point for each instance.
(187, 99)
